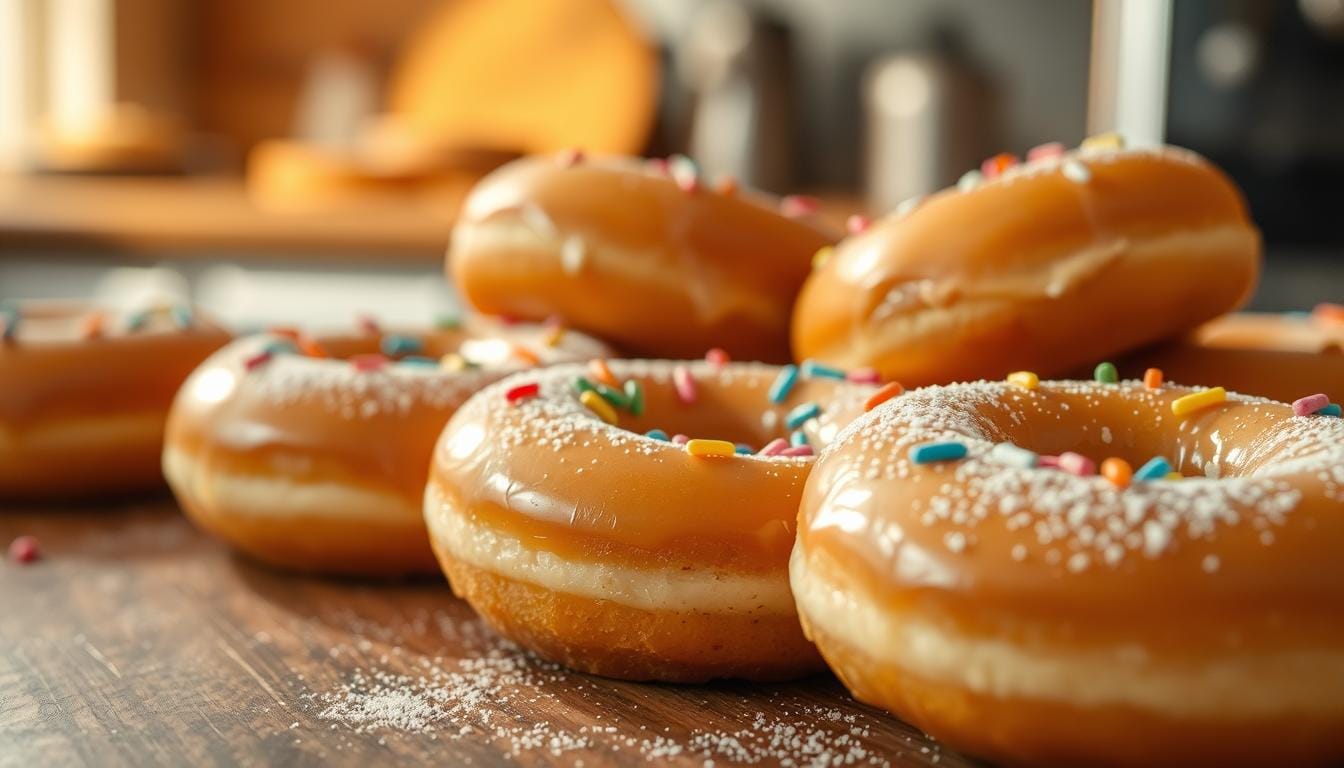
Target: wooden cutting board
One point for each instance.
(137, 641)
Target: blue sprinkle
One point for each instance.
(928, 453)
(657, 434)
(1297, 313)
(742, 449)
(1332, 409)
(137, 320)
(813, 369)
(779, 391)
(400, 345)
(803, 413)
(280, 347)
(1156, 469)
(182, 315)
(798, 438)
(420, 360)
(10, 314)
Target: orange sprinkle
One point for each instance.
(1118, 471)
(93, 325)
(1152, 378)
(526, 355)
(285, 332)
(1328, 313)
(726, 185)
(996, 165)
(310, 347)
(888, 391)
(598, 367)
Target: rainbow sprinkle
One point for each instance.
(814, 370)
(680, 439)
(419, 361)
(657, 434)
(1102, 142)
(708, 448)
(522, 392)
(182, 316)
(797, 450)
(892, 389)
(684, 384)
(1197, 401)
(1306, 406)
(797, 206)
(1155, 468)
(857, 224)
(1076, 464)
(368, 363)
(929, 453)
(1024, 379)
(864, 376)
(1106, 373)
(1045, 152)
(802, 414)
(743, 449)
(598, 368)
(1152, 378)
(9, 322)
(256, 361)
(1013, 456)
(1118, 471)
(367, 324)
(613, 396)
(447, 322)
(1332, 409)
(797, 438)
(136, 320)
(823, 255)
(716, 357)
(594, 402)
(783, 384)
(634, 397)
(400, 345)
(774, 447)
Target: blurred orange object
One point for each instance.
(529, 76)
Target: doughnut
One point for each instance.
(1046, 265)
(643, 254)
(1279, 356)
(310, 453)
(84, 391)
(563, 512)
(962, 563)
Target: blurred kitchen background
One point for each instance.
(282, 160)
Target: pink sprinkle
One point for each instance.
(1306, 406)
(795, 206)
(774, 447)
(1047, 461)
(1077, 464)
(657, 165)
(256, 361)
(857, 224)
(680, 439)
(797, 450)
(716, 357)
(571, 157)
(367, 363)
(24, 549)
(864, 376)
(367, 324)
(685, 385)
(1045, 151)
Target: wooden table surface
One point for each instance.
(136, 641)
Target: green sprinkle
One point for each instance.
(634, 395)
(1106, 373)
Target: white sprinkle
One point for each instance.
(908, 205)
(1078, 562)
(955, 541)
(573, 254)
(969, 180)
(1106, 436)
(1210, 563)
(1019, 552)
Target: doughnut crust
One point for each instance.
(617, 248)
(1033, 616)
(84, 393)
(621, 554)
(1054, 264)
(311, 464)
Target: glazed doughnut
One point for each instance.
(84, 392)
(642, 254)
(1279, 356)
(311, 453)
(632, 555)
(960, 563)
(1045, 265)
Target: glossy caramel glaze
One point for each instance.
(84, 391)
(1054, 264)
(316, 422)
(552, 474)
(1279, 356)
(620, 249)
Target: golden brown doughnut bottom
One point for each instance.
(613, 640)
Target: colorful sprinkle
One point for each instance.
(311, 347)
(419, 361)
(656, 434)
(25, 549)
(742, 449)
(994, 167)
(10, 320)
(447, 322)
(802, 414)
(570, 158)
(890, 390)
(1155, 468)
(594, 402)
(634, 397)
(368, 363)
(1048, 461)
(1152, 378)
(1306, 406)
(614, 396)
(908, 205)
(1024, 379)
(256, 361)
(93, 324)
(400, 345)
(367, 324)
(700, 447)
(1182, 406)
(522, 392)
(864, 376)
(1118, 471)
(716, 357)
(582, 385)
(1045, 152)
(814, 370)
(453, 362)
(928, 453)
(797, 206)
(798, 437)
(1332, 409)
(1328, 313)
(823, 255)
(601, 372)
(1175, 476)
(1077, 464)
(1106, 373)
(970, 180)
(1013, 456)
(136, 320)
(528, 357)
(684, 383)
(554, 334)
(1103, 141)
(680, 439)
(857, 224)
(281, 347)
(783, 384)
(726, 186)
(684, 173)
(1076, 172)
(797, 450)
(182, 316)
(774, 447)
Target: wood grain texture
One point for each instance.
(136, 641)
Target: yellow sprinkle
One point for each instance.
(710, 448)
(1174, 476)
(1103, 141)
(822, 256)
(1197, 401)
(452, 362)
(553, 336)
(1024, 379)
(596, 404)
